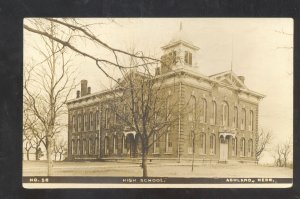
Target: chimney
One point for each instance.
(78, 94)
(242, 78)
(157, 71)
(89, 90)
(83, 88)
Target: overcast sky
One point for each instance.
(262, 52)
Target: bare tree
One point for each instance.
(281, 153)
(59, 149)
(73, 30)
(147, 104)
(47, 87)
(263, 140)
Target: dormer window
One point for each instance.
(188, 58)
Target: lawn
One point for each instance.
(39, 168)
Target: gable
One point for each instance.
(229, 79)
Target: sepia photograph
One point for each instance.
(158, 102)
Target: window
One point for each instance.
(73, 147)
(123, 144)
(91, 121)
(90, 144)
(96, 146)
(125, 117)
(169, 148)
(212, 144)
(234, 146)
(235, 118)
(251, 120)
(242, 152)
(73, 123)
(79, 121)
(115, 118)
(192, 116)
(191, 142)
(115, 144)
(225, 114)
(214, 112)
(168, 108)
(250, 148)
(155, 143)
(202, 143)
(84, 147)
(204, 105)
(106, 118)
(172, 57)
(243, 122)
(78, 147)
(188, 58)
(85, 122)
(106, 145)
(97, 121)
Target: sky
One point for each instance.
(259, 49)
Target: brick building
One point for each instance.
(222, 123)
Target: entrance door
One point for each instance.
(223, 150)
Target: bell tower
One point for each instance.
(178, 53)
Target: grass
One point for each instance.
(39, 168)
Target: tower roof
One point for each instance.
(180, 37)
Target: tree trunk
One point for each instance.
(37, 154)
(49, 154)
(60, 157)
(144, 165)
(27, 154)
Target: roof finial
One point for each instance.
(180, 28)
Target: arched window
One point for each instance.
(78, 147)
(214, 113)
(250, 148)
(225, 114)
(192, 116)
(89, 146)
(191, 142)
(84, 122)
(91, 121)
(84, 147)
(115, 144)
(73, 147)
(204, 106)
(123, 144)
(124, 116)
(74, 123)
(234, 146)
(212, 144)
(106, 118)
(242, 152)
(235, 117)
(97, 121)
(79, 121)
(243, 122)
(202, 143)
(169, 146)
(155, 143)
(168, 112)
(106, 145)
(251, 120)
(96, 146)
